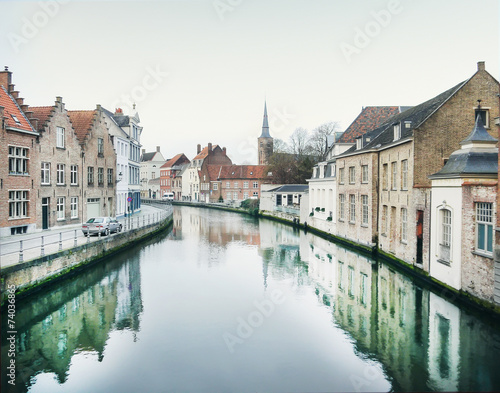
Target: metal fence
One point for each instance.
(41, 244)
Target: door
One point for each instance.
(420, 235)
(93, 207)
(45, 213)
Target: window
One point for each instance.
(352, 175)
(394, 168)
(60, 208)
(235, 184)
(74, 175)
(245, 195)
(359, 143)
(18, 160)
(215, 186)
(14, 117)
(245, 184)
(228, 184)
(484, 227)
(110, 176)
(18, 204)
(100, 176)
(397, 132)
(235, 196)
(74, 207)
(364, 173)
(404, 224)
(341, 175)
(485, 116)
(256, 194)
(255, 184)
(228, 196)
(60, 137)
(60, 174)
(385, 218)
(364, 203)
(352, 208)
(404, 174)
(385, 176)
(45, 176)
(341, 207)
(100, 146)
(90, 175)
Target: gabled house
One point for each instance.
(169, 171)
(60, 186)
(19, 174)
(150, 170)
(98, 162)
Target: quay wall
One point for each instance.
(30, 276)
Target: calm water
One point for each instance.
(226, 303)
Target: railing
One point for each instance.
(41, 244)
(288, 209)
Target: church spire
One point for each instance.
(265, 125)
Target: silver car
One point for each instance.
(102, 225)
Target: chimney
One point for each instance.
(118, 112)
(209, 147)
(143, 151)
(158, 149)
(198, 149)
(480, 66)
(224, 150)
(6, 78)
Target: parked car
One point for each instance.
(103, 225)
(168, 196)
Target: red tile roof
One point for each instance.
(12, 109)
(42, 113)
(170, 163)
(204, 153)
(82, 123)
(370, 118)
(220, 172)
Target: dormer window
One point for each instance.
(359, 143)
(16, 119)
(407, 124)
(397, 131)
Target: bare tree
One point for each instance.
(318, 140)
(299, 142)
(280, 146)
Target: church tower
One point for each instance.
(265, 141)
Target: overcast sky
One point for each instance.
(199, 71)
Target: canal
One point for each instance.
(229, 303)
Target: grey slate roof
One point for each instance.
(416, 115)
(148, 156)
(480, 159)
(290, 188)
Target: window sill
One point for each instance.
(482, 254)
(443, 262)
(383, 234)
(352, 222)
(60, 148)
(340, 220)
(404, 242)
(364, 225)
(45, 184)
(61, 184)
(19, 174)
(18, 218)
(74, 185)
(60, 219)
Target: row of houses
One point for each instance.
(420, 184)
(64, 166)
(210, 176)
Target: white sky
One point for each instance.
(219, 60)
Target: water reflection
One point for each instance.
(169, 301)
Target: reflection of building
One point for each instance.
(76, 317)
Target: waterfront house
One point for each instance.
(463, 216)
(150, 170)
(59, 194)
(19, 175)
(169, 171)
(98, 168)
(285, 198)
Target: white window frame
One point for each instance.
(364, 173)
(404, 175)
(60, 208)
(352, 208)
(256, 194)
(397, 132)
(45, 173)
(341, 175)
(215, 186)
(74, 175)
(74, 207)
(60, 174)
(18, 160)
(100, 146)
(394, 171)
(364, 204)
(404, 224)
(18, 204)
(255, 184)
(110, 176)
(235, 184)
(90, 175)
(352, 175)
(341, 207)
(245, 184)
(228, 184)
(484, 218)
(100, 176)
(245, 195)
(235, 195)
(60, 138)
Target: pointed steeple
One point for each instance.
(479, 135)
(265, 125)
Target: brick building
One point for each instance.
(98, 162)
(59, 195)
(20, 175)
(168, 174)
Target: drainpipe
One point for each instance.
(379, 200)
